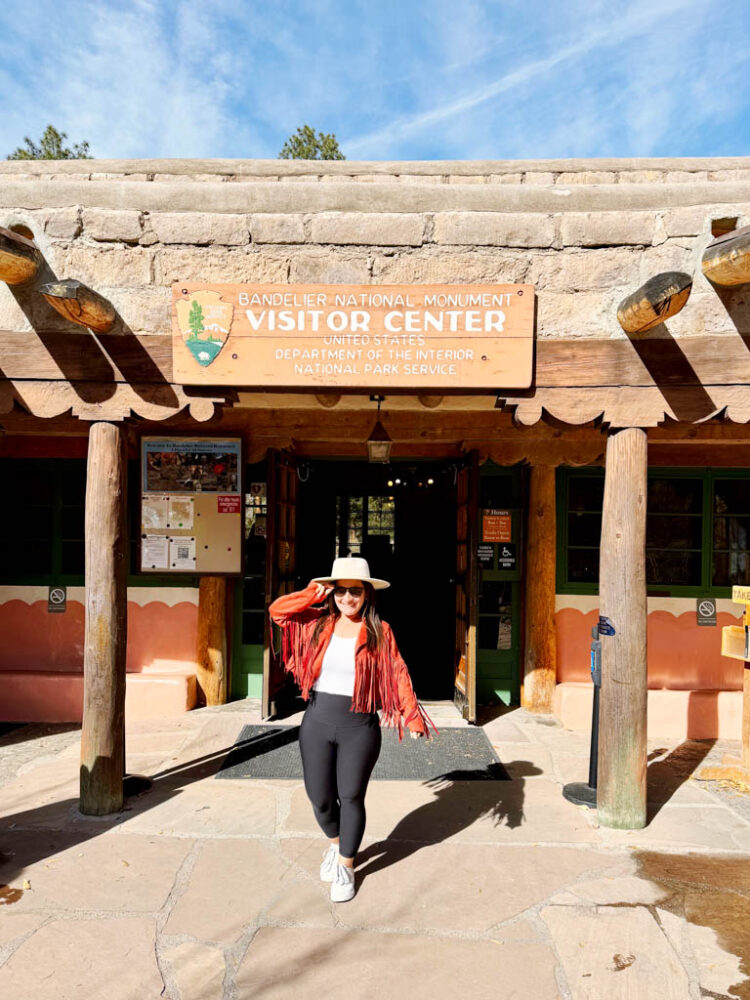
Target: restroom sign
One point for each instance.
(496, 526)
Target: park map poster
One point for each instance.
(191, 505)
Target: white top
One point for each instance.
(337, 673)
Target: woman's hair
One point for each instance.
(370, 617)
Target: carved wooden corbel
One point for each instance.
(19, 258)
(654, 302)
(726, 261)
(80, 304)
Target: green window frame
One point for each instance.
(42, 521)
(704, 514)
(43, 514)
(361, 517)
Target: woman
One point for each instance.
(346, 662)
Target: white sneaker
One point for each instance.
(342, 887)
(328, 865)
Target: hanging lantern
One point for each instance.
(379, 441)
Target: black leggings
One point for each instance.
(339, 749)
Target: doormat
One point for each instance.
(457, 754)
(9, 727)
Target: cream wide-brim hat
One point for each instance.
(352, 568)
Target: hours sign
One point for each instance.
(465, 337)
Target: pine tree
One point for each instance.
(306, 144)
(195, 319)
(50, 148)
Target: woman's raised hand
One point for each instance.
(322, 590)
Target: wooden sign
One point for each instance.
(421, 337)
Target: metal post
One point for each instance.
(576, 791)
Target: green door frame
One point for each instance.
(499, 670)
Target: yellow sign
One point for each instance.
(741, 595)
(735, 642)
(419, 337)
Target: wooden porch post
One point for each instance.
(102, 736)
(621, 793)
(540, 648)
(212, 639)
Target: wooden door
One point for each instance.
(465, 682)
(281, 562)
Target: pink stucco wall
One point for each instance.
(33, 639)
(681, 655)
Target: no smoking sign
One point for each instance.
(706, 611)
(57, 600)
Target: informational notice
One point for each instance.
(154, 512)
(182, 512)
(496, 526)
(191, 505)
(229, 504)
(467, 337)
(486, 554)
(182, 553)
(154, 552)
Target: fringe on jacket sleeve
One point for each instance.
(402, 699)
(424, 718)
(294, 614)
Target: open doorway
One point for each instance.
(402, 518)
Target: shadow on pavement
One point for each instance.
(666, 775)
(33, 835)
(458, 803)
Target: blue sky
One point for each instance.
(393, 80)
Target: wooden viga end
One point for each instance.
(19, 258)
(726, 261)
(80, 304)
(655, 301)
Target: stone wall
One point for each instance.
(584, 232)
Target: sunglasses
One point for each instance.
(354, 591)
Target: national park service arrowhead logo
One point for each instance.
(204, 322)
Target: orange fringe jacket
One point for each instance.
(381, 680)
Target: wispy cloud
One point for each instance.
(610, 36)
(137, 79)
(401, 79)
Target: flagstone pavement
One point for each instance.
(206, 889)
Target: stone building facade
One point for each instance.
(585, 234)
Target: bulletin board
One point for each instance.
(191, 505)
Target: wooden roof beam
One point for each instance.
(80, 304)
(726, 261)
(19, 258)
(654, 302)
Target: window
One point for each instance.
(360, 519)
(41, 525)
(42, 516)
(674, 532)
(731, 532)
(697, 530)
